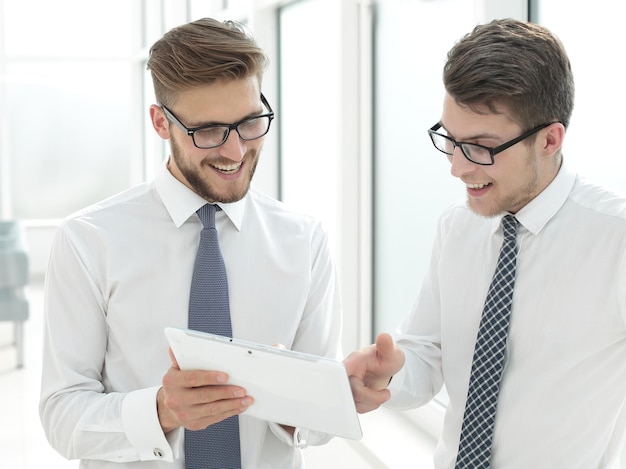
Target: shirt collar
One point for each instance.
(181, 202)
(538, 212)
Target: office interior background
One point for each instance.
(355, 85)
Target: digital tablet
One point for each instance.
(288, 387)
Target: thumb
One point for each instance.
(384, 345)
(173, 358)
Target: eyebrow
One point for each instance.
(207, 123)
(473, 137)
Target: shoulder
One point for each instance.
(269, 217)
(117, 211)
(278, 213)
(598, 201)
(459, 213)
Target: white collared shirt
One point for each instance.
(562, 402)
(120, 272)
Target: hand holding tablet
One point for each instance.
(288, 387)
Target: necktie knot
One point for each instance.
(509, 226)
(206, 213)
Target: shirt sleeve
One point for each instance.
(80, 418)
(320, 328)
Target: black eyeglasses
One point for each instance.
(474, 152)
(214, 135)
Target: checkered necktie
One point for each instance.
(217, 446)
(484, 384)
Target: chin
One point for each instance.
(481, 210)
(231, 195)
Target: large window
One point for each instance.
(310, 112)
(68, 99)
(324, 145)
(74, 97)
(412, 180)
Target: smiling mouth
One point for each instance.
(227, 169)
(477, 186)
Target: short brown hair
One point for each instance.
(517, 64)
(201, 53)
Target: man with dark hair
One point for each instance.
(522, 314)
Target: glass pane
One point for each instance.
(309, 116)
(68, 135)
(598, 76)
(202, 9)
(45, 28)
(413, 184)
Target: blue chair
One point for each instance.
(14, 277)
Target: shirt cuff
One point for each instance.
(301, 437)
(298, 439)
(142, 427)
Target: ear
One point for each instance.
(553, 139)
(159, 122)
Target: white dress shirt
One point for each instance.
(562, 401)
(120, 272)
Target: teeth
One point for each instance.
(229, 168)
(476, 186)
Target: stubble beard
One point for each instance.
(202, 187)
(511, 203)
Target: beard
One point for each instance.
(203, 187)
(512, 202)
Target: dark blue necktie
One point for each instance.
(488, 363)
(217, 446)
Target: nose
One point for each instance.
(459, 164)
(234, 148)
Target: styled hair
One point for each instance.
(520, 66)
(200, 53)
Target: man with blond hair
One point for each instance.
(120, 272)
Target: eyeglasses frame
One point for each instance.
(192, 130)
(493, 151)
